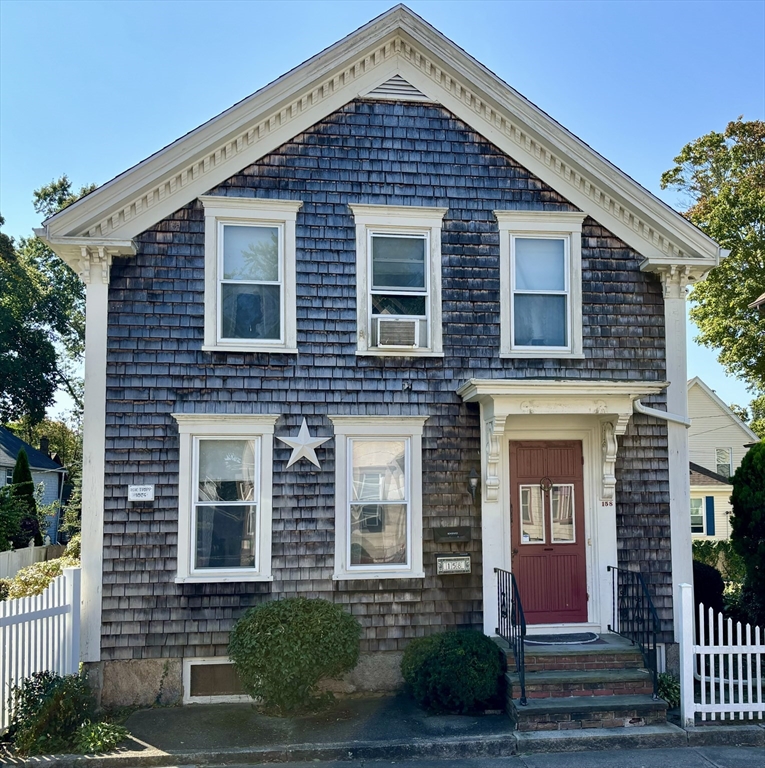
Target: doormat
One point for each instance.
(577, 638)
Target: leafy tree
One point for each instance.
(748, 529)
(24, 490)
(754, 415)
(65, 440)
(11, 513)
(723, 175)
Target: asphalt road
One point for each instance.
(686, 757)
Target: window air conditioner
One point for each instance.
(397, 332)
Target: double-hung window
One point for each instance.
(224, 495)
(398, 279)
(724, 461)
(540, 283)
(378, 493)
(697, 516)
(250, 274)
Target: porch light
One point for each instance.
(473, 483)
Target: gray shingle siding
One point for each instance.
(367, 152)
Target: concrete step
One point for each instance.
(579, 712)
(566, 683)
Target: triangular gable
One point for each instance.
(397, 47)
(746, 431)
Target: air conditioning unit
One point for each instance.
(397, 332)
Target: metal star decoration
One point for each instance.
(303, 446)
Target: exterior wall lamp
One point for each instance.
(473, 483)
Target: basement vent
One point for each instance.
(211, 679)
(397, 89)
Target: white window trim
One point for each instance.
(220, 210)
(188, 663)
(730, 461)
(383, 427)
(392, 219)
(191, 426)
(703, 531)
(563, 224)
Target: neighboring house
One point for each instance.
(759, 304)
(394, 247)
(45, 471)
(717, 442)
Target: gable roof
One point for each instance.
(697, 382)
(10, 445)
(396, 46)
(703, 476)
(758, 303)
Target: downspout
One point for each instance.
(638, 407)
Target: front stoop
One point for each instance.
(574, 687)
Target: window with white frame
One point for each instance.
(250, 274)
(378, 496)
(398, 279)
(697, 515)
(224, 497)
(540, 283)
(724, 461)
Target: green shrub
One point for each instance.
(74, 547)
(47, 711)
(5, 585)
(96, 738)
(708, 586)
(722, 556)
(12, 511)
(669, 689)
(23, 489)
(283, 649)
(33, 579)
(457, 671)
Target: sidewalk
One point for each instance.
(387, 728)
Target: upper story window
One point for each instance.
(398, 279)
(724, 461)
(224, 497)
(540, 283)
(250, 274)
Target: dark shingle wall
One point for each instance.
(367, 152)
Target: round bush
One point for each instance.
(283, 649)
(458, 671)
(708, 586)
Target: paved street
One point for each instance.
(689, 757)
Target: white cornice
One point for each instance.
(398, 42)
(474, 389)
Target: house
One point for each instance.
(312, 319)
(45, 471)
(759, 304)
(717, 442)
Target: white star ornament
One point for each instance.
(303, 446)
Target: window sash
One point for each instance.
(697, 516)
(279, 226)
(405, 502)
(194, 569)
(724, 461)
(566, 292)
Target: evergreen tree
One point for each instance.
(24, 491)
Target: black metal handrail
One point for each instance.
(512, 623)
(635, 617)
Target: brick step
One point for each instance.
(566, 683)
(558, 658)
(579, 712)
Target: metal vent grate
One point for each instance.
(397, 89)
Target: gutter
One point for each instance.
(638, 407)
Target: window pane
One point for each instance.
(562, 512)
(398, 305)
(227, 470)
(540, 321)
(225, 536)
(378, 534)
(697, 516)
(251, 253)
(539, 265)
(383, 460)
(398, 262)
(532, 516)
(250, 311)
(723, 461)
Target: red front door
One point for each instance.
(547, 512)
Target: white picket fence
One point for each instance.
(13, 561)
(725, 666)
(39, 633)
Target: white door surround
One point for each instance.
(594, 413)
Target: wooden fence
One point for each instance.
(39, 633)
(721, 666)
(13, 561)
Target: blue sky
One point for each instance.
(91, 88)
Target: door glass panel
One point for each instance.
(532, 515)
(562, 513)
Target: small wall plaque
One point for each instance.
(457, 533)
(446, 564)
(140, 493)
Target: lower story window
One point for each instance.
(378, 518)
(697, 516)
(224, 520)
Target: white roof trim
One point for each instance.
(396, 43)
(697, 382)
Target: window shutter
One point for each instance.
(710, 504)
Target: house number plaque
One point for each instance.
(452, 564)
(140, 493)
